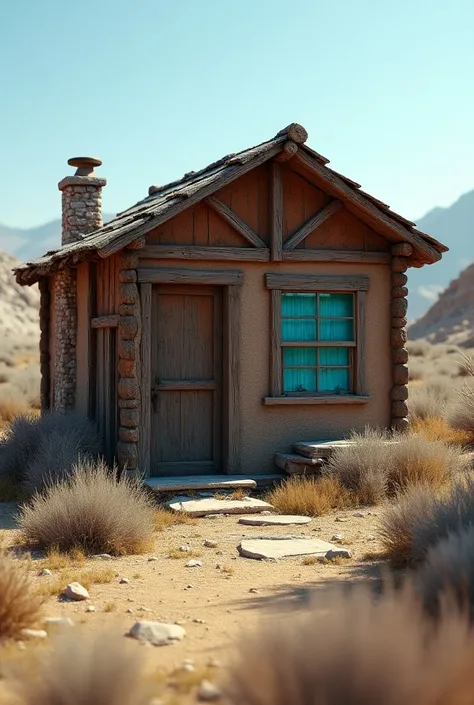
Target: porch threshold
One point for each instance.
(210, 482)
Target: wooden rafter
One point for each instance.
(276, 193)
(312, 224)
(237, 223)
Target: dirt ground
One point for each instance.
(228, 595)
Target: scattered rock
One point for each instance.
(34, 633)
(144, 609)
(58, 623)
(213, 516)
(188, 587)
(338, 553)
(219, 566)
(194, 564)
(254, 591)
(274, 520)
(90, 608)
(266, 513)
(129, 610)
(208, 692)
(75, 591)
(45, 571)
(21, 645)
(102, 557)
(210, 544)
(338, 538)
(214, 663)
(370, 537)
(341, 519)
(153, 558)
(185, 548)
(157, 633)
(124, 581)
(359, 515)
(188, 667)
(199, 621)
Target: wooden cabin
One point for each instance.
(250, 305)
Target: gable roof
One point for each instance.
(164, 202)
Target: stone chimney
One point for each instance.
(81, 200)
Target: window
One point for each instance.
(317, 339)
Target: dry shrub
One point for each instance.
(447, 576)
(93, 509)
(428, 401)
(82, 670)
(417, 523)
(434, 428)
(358, 651)
(376, 465)
(36, 451)
(416, 370)
(399, 523)
(310, 496)
(19, 607)
(419, 348)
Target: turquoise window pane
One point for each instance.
(298, 304)
(336, 305)
(299, 357)
(336, 329)
(298, 329)
(332, 380)
(299, 380)
(333, 356)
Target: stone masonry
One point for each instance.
(81, 215)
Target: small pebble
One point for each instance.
(21, 645)
(90, 608)
(213, 516)
(194, 564)
(338, 538)
(144, 609)
(34, 633)
(341, 519)
(45, 571)
(185, 548)
(359, 515)
(210, 544)
(189, 587)
(124, 581)
(153, 558)
(102, 557)
(208, 692)
(339, 553)
(199, 621)
(254, 591)
(219, 566)
(214, 663)
(189, 667)
(129, 610)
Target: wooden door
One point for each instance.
(186, 374)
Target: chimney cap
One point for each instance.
(82, 162)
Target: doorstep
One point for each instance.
(210, 482)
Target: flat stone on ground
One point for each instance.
(209, 505)
(157, 633)
(274, 520)
(284, 547)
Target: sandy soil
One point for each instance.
(228, 594)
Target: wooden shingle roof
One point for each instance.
(164, 202)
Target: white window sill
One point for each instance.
(330, 399)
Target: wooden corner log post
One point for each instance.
(398, 311)
(45, 301)
(129, 333)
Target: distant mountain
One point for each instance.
(454, 226)
(451, 318)
(28, 243)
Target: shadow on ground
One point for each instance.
(8, 513)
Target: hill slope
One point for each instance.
(19, 306)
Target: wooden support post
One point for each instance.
(277, 212)
(144, 445)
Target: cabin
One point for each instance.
(254, 304)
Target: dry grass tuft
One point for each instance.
(342, 655)
(38, 450)
(309, 560)
(435, 428)
(310, 496)
(105, 670)
(91, 576)
(176, 553)
(19, 607)
(94, 510)
(55, 560)
(165, 518)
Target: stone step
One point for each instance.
(319, 450)
(298, 465)
(210, 482)
(201, 506)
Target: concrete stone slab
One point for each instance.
(274, 520)
(209, 505)
(284, 547)
(200, 482)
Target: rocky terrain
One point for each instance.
(451, 318)
(19, 305)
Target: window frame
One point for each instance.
(357, 285)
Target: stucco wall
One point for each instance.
(267, 429)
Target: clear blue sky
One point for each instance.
(157, 88)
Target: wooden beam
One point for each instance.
(145, 416)
(237, 223)
(307, 401)
(360, 384)
(105, 321)
(336, 186)
(312, 224)
(225, 277)
(191, 252)
(317, 282)
(289, 150)
(185, 385)
(232, 306)
(275, 344)
(337, 256)
(277, 212)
